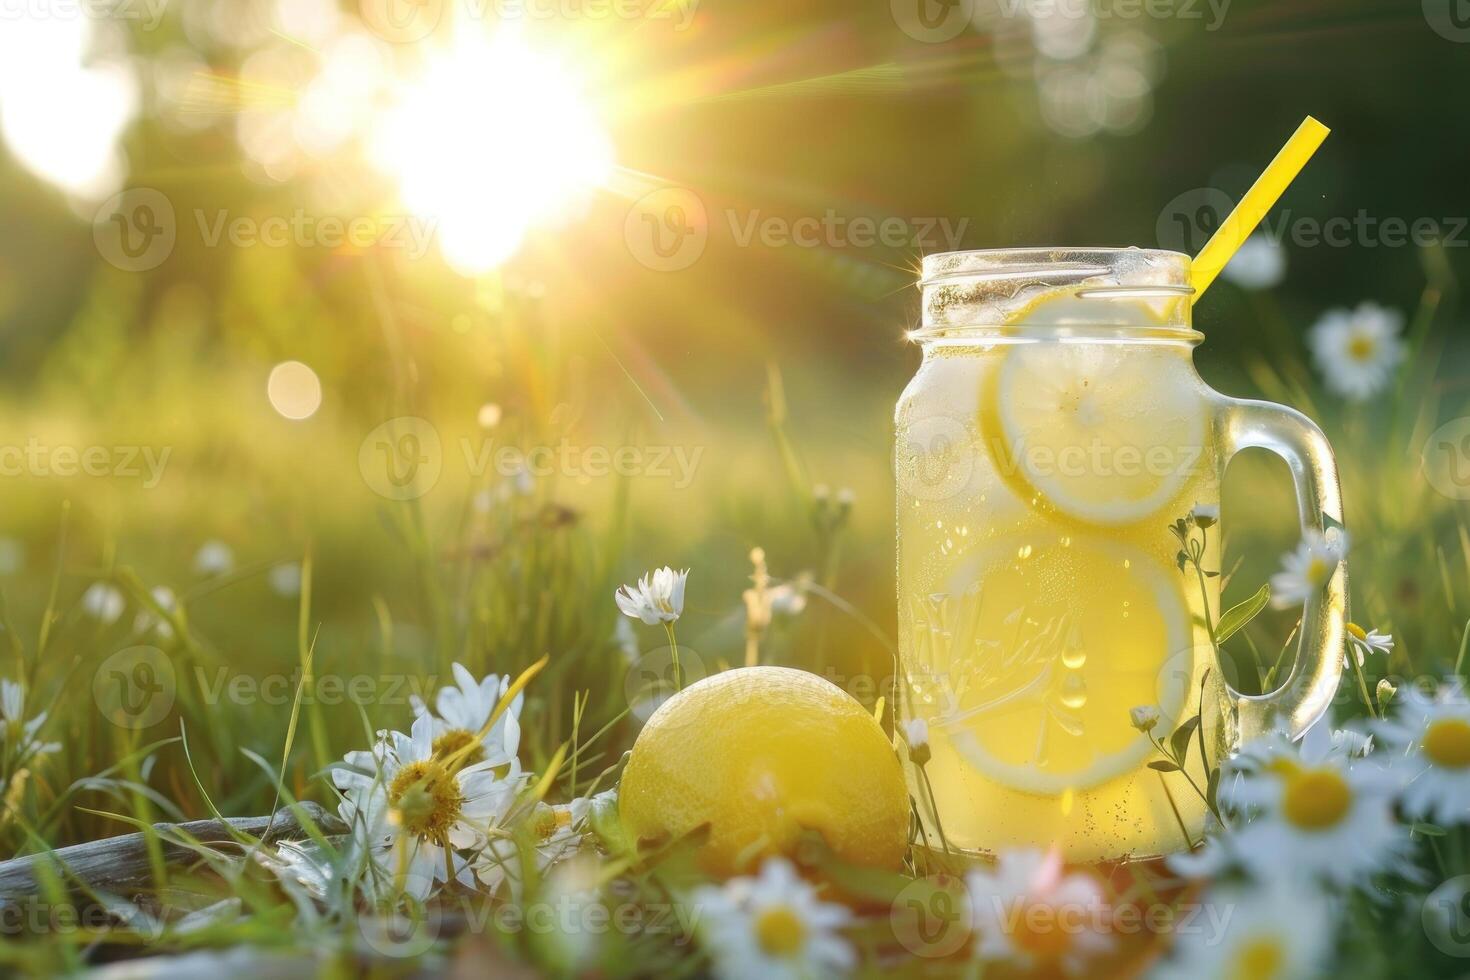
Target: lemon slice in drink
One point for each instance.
(1103, 433)
(1059, 641)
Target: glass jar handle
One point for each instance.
(1310, 687)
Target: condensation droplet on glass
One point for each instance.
(1074, 691)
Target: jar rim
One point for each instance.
(1097, 287)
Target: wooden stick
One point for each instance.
(117, 861)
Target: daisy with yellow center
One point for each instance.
(1274, 932)
(557, 832)
(1028, 912)
(1357, 350)
(772, 927)
(459, 716)
(1305, 571)
(416, 813)
(1362, 643)
(1429, 743)
(1312, 807)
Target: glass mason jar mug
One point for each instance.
(1052, 440)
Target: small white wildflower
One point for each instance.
(103, 602)
(1259, 263)
(1306, 570)
(285, 579)
(1144, 717)
(1357, 350)
(146, 622)
(773, 927)
(916, 733)
(657, 598)
(1363, 643)
(17, 735)
(12, 556)
(214, 558)
(1205, 515)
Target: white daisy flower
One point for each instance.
(1357, 350)
(772, 927)
(1429, 743)
(460, 713)
(285, 579)
(1305, 571)
(558, 832)
(17, 735)
(1318, 814)
(103, 602)
(1259, 263)
(413, 815)
(657, 598)
(214, 558)
(1280, 931)
(1028, 912)
(1363, 643)
(146, 622)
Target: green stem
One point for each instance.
(674, 646)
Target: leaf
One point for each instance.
(1427, 830)
(1179, 741)
(1180, 559)
(1163, 765)
(1237, 616)
(1212, 789)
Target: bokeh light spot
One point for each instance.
(294, 390)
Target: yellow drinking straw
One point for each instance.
(1257, 201)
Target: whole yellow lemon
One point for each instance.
(761, 754)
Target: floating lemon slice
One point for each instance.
(1102, 433)
(1058, 642)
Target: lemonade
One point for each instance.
(1044, 448)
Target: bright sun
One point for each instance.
(491, 139)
